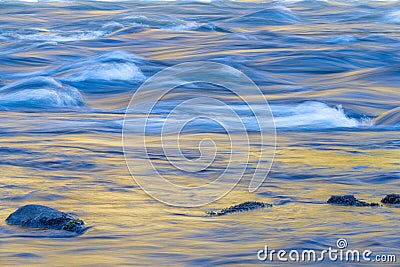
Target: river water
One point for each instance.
(68, 70)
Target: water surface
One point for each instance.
(68, 70)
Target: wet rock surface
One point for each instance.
(348, 200)
(38, 216)
(246, 206)
(391, 199)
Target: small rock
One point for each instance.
(249, 205)
(348, 200)
(38, 216)
(391, 199)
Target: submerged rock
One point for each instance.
(349, 200)
(38, 216)
(249, 205)
(391, 199)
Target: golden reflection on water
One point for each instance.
(129, 227)
(83, 170)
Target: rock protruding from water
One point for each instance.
(349, 200)
(38, 216)
(246, 206)
(391, 199)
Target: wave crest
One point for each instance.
(39, 92)
(313, 114)
(112, 66)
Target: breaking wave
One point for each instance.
(39, 92)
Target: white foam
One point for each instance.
(184, 26)
(61, 36)
(39, 92)
(161, 22)
(314, 114)
(307, 115)
(42, 98)
(115, 65)
(110, 72)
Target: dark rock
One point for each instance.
(349, 200)
(38, 216)
(74, 225)
(249, 205)
(391, 199)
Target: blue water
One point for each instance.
(68, 69)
